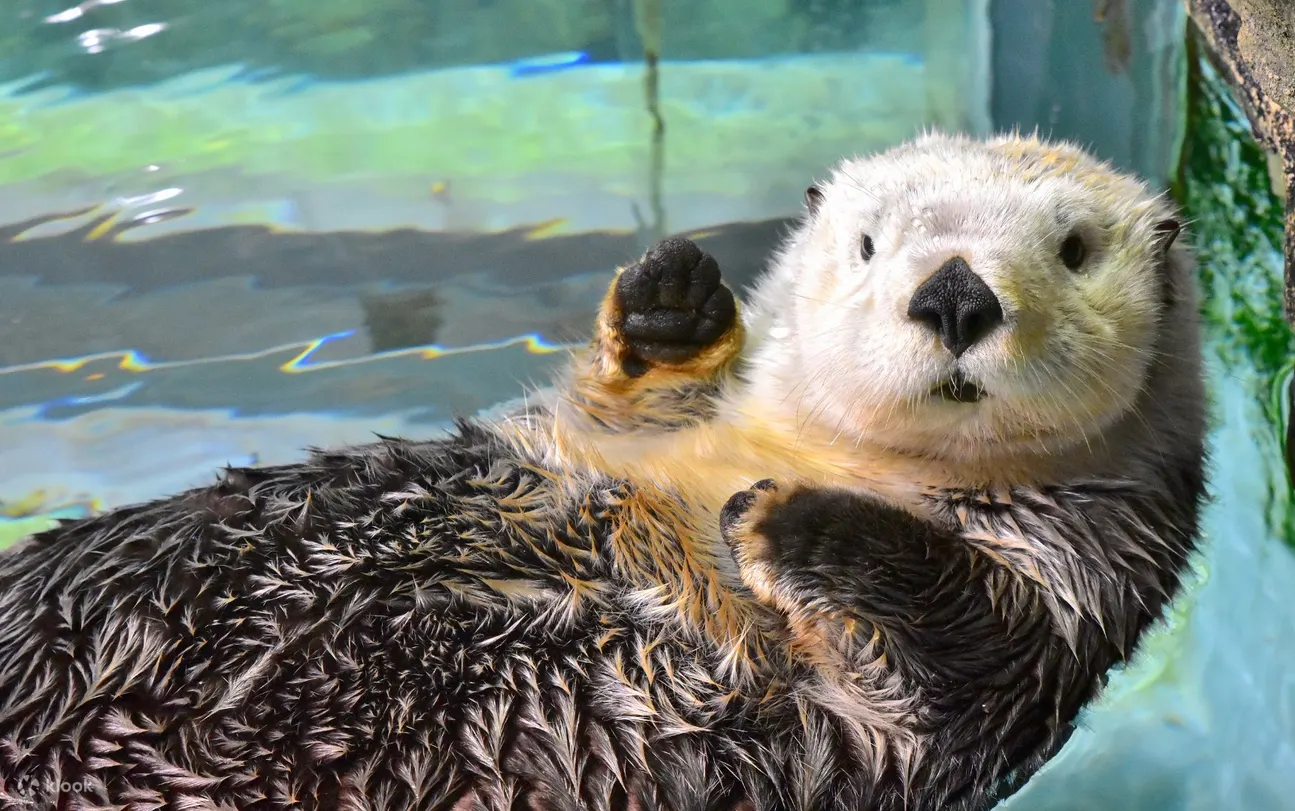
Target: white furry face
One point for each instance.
(1057, 347)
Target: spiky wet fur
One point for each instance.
(543, 612)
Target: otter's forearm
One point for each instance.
(831, 555)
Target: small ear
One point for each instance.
(813, 198)
(1166, 232)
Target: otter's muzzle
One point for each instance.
(957, 305)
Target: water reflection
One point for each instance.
(79, 11)
(96, 40)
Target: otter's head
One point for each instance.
(954, 297)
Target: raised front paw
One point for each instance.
(672, 304)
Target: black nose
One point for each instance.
(957, 304)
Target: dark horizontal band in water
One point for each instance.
(346, 258)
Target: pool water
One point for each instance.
(229, 231)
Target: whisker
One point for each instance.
(824, 301)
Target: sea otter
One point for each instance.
(869, 539)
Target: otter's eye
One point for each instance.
(1073, 251)
(868, 248)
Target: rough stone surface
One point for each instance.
(1254, 41)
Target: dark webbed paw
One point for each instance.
(673, 304)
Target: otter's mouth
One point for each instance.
(958, 389)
